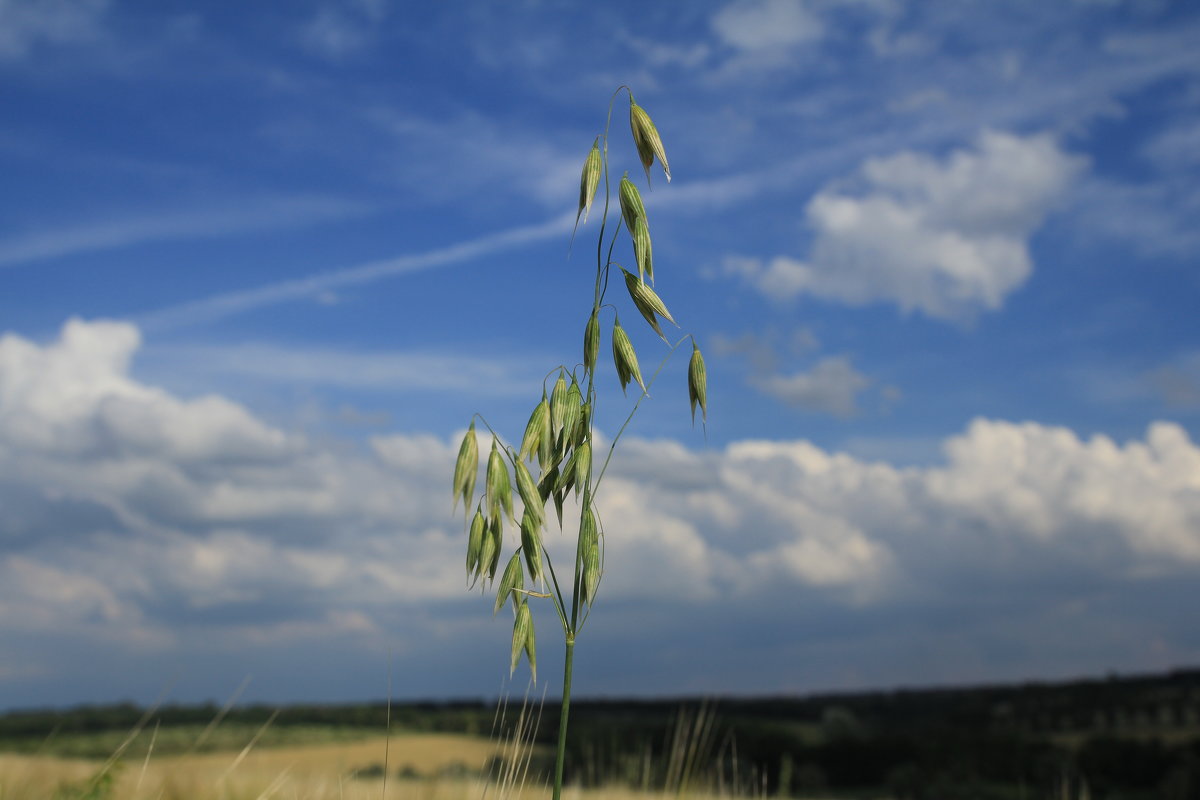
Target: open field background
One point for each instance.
(1119, 738)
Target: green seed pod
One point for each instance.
(558, 397)
(643, 250)
(538, 421)
(546, 484)
(499, 490)
(647, 302)
(583, 465)
(625, 358)
(521, 634)
(571, 411)
(647, 140)
(488, 550)
(475, 543)
(589, 549)
(631, 202)
(697, 384)
(591, 342)
(466, 468)
(529, 492)
(496, 536)
(588, 182)
(584, 426)
(513, 578)
(547, 488)
(531, 651)
(566, 480)
(578, 470)
(531, 545)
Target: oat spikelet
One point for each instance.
(588, 182)
(697, 384)
(645, 137)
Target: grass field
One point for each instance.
(436, 766)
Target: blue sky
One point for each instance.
(262, 262)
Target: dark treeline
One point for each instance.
(1121, 737)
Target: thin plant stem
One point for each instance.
(563, 714)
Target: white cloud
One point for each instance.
(26, 23)
(832, 387)
(947, 238)
(133, 516)
(767, 24)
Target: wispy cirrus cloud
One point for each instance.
(239, 301)
(248, 214)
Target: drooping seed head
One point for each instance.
(631, 202)
(591, 342)
(522, 628)
(572, 410)
(647, 140)
(475, 543)
(531, 546)
(466, 468)
(647, 302)
(625, 357)
(589, 547)
(566, 479)
(488, 551)
(584, 426)
(589, 181)
(531, 651)
(538, 421)
(529, 493)
(558, 398)
(495, 534)
(498, 490)
(546, 489)
(643, 250)
(579, 468)
(512, 578)
(697, 384)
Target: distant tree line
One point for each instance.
(1125, 738)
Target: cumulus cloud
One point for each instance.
(832, 386)
(141, 521)
(945, 237)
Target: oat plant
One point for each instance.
(559, 439)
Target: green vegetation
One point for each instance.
(560, 433)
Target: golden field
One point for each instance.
(308, 772)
